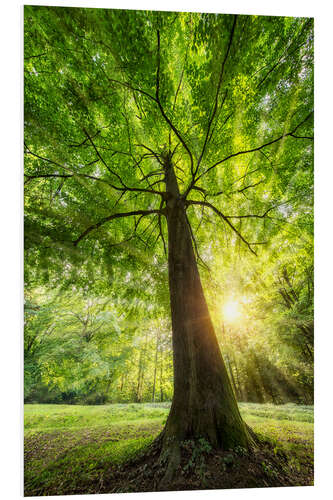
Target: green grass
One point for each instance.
(40, 418)
(288, 411)
(70, 448)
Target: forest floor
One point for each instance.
(92, 449)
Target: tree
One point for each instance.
(141, 124)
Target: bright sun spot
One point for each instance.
(233, 309)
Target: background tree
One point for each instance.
(143, 126)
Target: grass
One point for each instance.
(73, 448)
(288, 411)
(43, 418)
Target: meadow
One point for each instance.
(71, 449)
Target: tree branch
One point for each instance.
(35, 56)
(161, 234)
(225, 218)
(102, 159)
(135, 89)
(247, 187)
(156, 155)
(217, 95)
(284, 54)
(157, 99)
(269, 143)
(111, 217)
(87, 176)
(249, 216)
(311, 138)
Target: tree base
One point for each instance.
(194, 465)
(179, 456)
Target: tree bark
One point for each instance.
(240, 396)
(204, 405)
(161, 376)
(141, 371)
(231, 375)
(155, 363)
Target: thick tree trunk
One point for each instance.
(203, 404)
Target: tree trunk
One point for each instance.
(155, 364)
(141, 371)
(122, 382)
(231, 374)
(203, 403)
(161, 375)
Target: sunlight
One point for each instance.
(232, 311)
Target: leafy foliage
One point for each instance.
(109, 95)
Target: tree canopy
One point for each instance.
(108, 91)
(110, 96)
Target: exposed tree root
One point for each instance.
(173, 462)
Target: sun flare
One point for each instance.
(232, 311)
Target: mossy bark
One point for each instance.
(204, 405)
